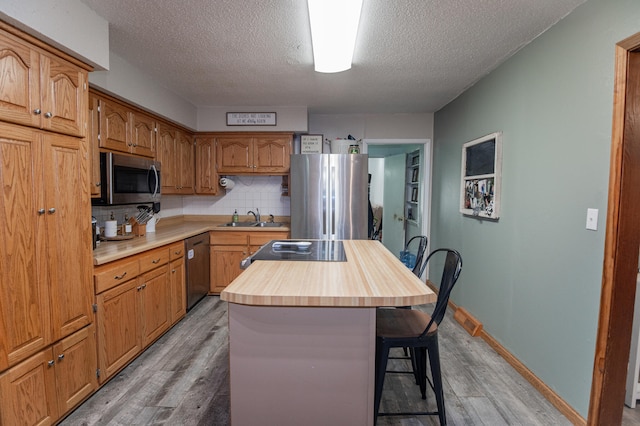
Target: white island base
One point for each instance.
(301, 365)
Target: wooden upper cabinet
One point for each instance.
(176, 153)
(186, 168)
(124, 130)
(143, 137)
(166, 154)
(94, 153)
(272, 154)
(206, 176)
(249, 153)
(234, 154)
(115, 127)
(41, 90)
(64, 96)
(21, 92)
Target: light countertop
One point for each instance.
(168, 231)
(372, 276)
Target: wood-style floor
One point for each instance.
(182, 379)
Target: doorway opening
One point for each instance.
(405, 211)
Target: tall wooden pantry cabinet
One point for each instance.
(47, 337)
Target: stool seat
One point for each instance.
(403, 323)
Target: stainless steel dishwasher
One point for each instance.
(197, 268)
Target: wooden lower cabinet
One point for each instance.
(49, 384)
(178, 289)
(229, 248)
(137, 298)
(155, 299)
(119, 335)
(225, 264)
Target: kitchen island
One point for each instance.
(302, 335)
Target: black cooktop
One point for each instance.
(306, 250)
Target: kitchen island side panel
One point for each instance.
(299, 365)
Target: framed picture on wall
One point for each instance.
(481, 177)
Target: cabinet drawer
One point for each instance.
(115, 273)
(261, 238)
(153, 258)
(229, 238)
(176, 251)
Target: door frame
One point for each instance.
(427, 149)
(622, 240)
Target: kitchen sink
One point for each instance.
(253, 224)
(269, 224)
(241, 224)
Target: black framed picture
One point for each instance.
(481, 177)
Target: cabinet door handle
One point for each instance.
(173, 271)
(144, 286)
(50, 363)
(52, 210)
(37, 111)
(179, 252)
(48, 115)
(41, 211)
(98, 183)
(139, 288)
(119, 277)
(60, 357)
(155, 261)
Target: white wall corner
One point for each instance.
(68, 25)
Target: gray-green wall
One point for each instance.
(533, 278)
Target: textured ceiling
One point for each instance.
(411, 55)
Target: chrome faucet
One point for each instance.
(256, 215)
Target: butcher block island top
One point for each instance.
(372, 276)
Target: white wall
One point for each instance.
(68, 25)
(372, 126)
(125, 81)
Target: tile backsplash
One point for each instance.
(249, 192)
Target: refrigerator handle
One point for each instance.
(325, 202)
(332, 199)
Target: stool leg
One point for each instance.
(436, 375)
(414, 366)
(382, 356)
(421, 369)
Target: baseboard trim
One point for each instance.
(468, 321)
(568, 411)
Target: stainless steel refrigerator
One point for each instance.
(329, 196)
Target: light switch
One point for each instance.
(592, 219)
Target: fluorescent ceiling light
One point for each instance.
(334, 26)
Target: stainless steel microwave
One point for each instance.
(127, 180)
